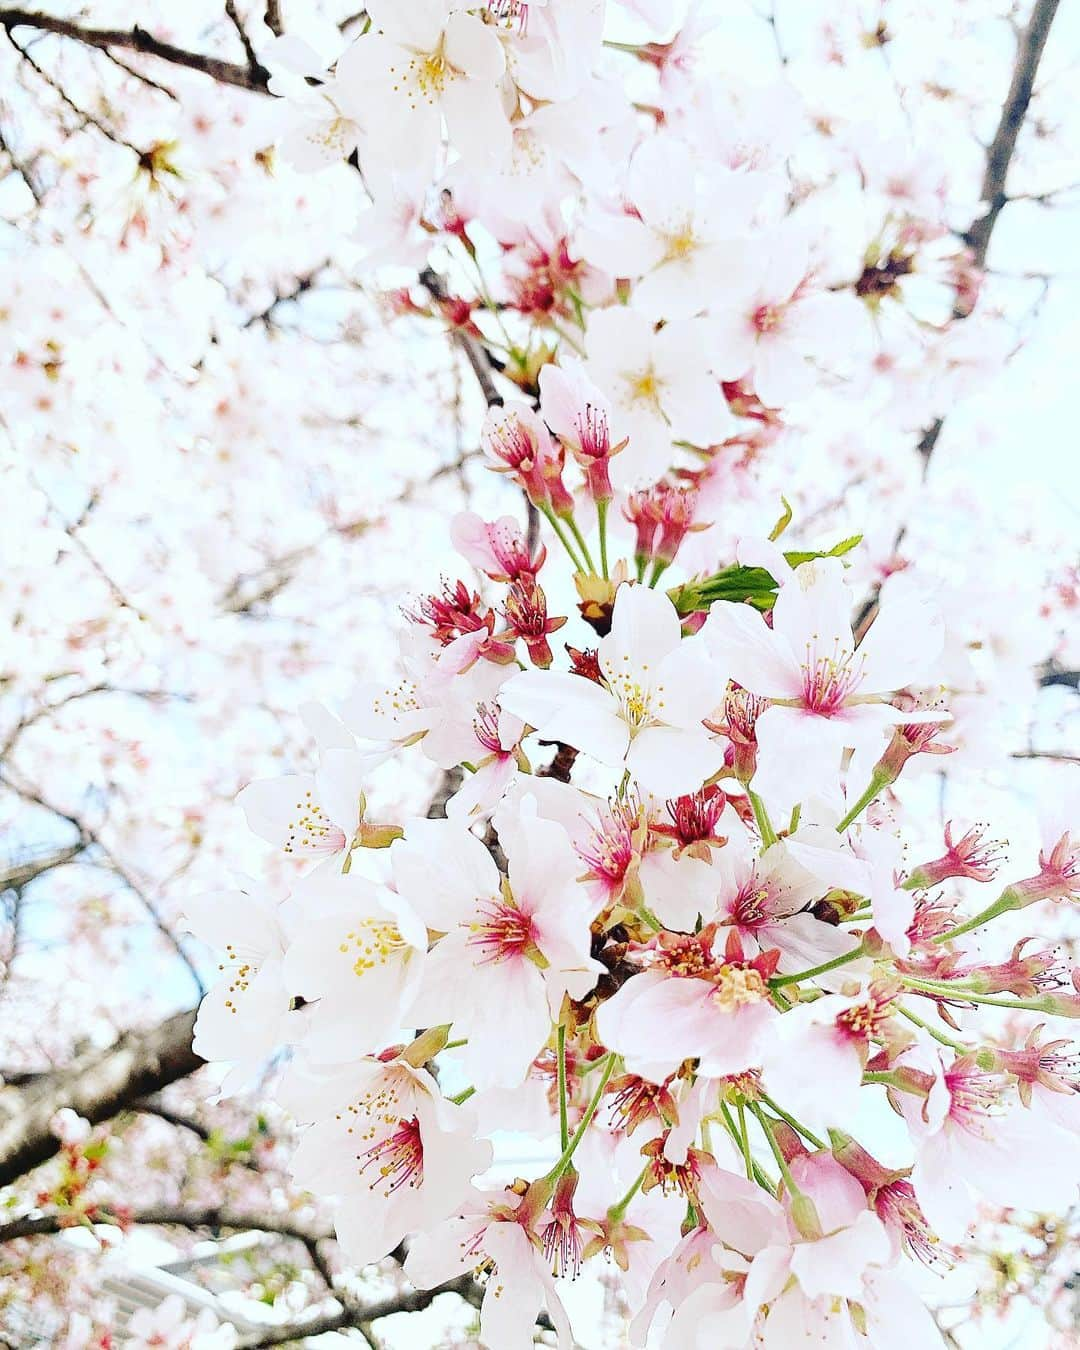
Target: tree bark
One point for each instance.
(97, 1085)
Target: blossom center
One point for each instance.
(313, 831)
(375, 942)
(503, 932)
(829, 681)
(767, 318)
(645, 387)
(736, 986)
(399, 1159)
(241, 977)
(680, 243)
(639, 703)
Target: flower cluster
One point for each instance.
(689, 947)
(687, 950)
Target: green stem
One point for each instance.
(564, 1127)
(790, 1120)
(1008, 900)
(777, 1152)
(618, 1210)
(764, 824)
(659, 568)
(586, 1120)
(890, 1080)
(463, 1096)
(553, 521)
(939, 1036)
(873, 788)
(590, 566)
(601, 521)
(744, 1141)
(942, 990)
(453, 1045)
(779, 980)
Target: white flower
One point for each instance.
(661, 387)
(826, 695)
(511, 949)
(673, 243)
(424, 61)
(770, 323)
(357, 953)
(244, 1015)
(520, 1283)
(309, 816)
(383, 1138)
(648, 713)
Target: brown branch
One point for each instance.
(413, 1300)
(241, 32)
(88, 118)
(22, 874)
(98, 1085)
(23, 169)
(272, 17)
(171, 1216)
(475, 352)
(999, 155)
(137, 39)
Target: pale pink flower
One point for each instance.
(310, 817)
(690, 1004)
(424, 62)
(662, 388)
(648, 714)
(520, 1284)
(245, 1013)
(357, 953)
(510, 948)
(672, 245)
(975, 1143)
(772, 325)
(381, 1135)
(826, 695)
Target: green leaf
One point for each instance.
(837, 551)
(782, 524)
(752, 585)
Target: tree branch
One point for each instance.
(136, 39)
(413, 1300)
(475, 352)
(172, 1216)
(22, 874)
(98, 1085)
(999, 155)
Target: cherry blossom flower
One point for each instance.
(422, 63)
(246, 1014)
(774, 319)
(671, 245)
(523, 939)
(648, 713)
(828, 1040)
(690, 1003)
(357, 952)
(494, 761)
(825, 694)
(490, 1236)
(661, 387)
(382, 1136)
(310, 817)
(170, 1327)
(973, 1142)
